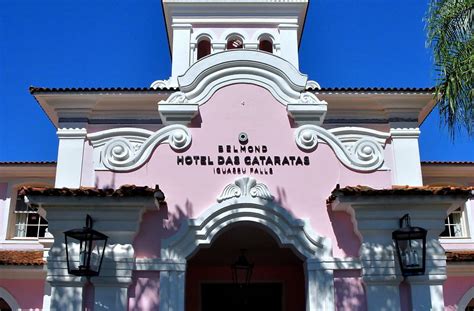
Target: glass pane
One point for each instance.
(42, 231)
(32, 231)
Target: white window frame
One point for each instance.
(467, 222)
(10, 204)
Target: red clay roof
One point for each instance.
(124, 191)
(36, 90)
(460, 256)
(399, 190)
(28, 162)
(448, 162)
(21, 258)
(374, 90)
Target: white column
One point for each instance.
(181, 49)
(70, 154)
(380, 276)
(289, 43)
(427, 289)
(172, 287)
(319, 286)
(66, 295)
(406, 155)
(109, 296)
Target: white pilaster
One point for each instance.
(289, 43)
(406, 155)
(319, 287)
(181, 49)
(427, 289)
(66, 296)
(110, 296)
(70, 154)
(172, 287)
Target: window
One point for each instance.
(203, 48)
(454, 225)
(28, 223)
(235, 43)
(266, 45)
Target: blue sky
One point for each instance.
(123, 43)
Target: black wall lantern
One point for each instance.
(85, 250)
(411, 247)
(242, 270)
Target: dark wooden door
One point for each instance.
(253, 297)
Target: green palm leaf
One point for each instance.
(450, 25)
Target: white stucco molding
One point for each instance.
(9, 299)
(466, 298)
(267, 70)
(125, 149)
(245, 186)
(358, 148)
(288, 231)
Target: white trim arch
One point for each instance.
(247, 206)
(466, 298)
(5, 295)
(241, 66)
(288, 231)
(233, 33)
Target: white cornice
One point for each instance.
(238, 12)
(100, 105)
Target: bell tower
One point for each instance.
(197, 28)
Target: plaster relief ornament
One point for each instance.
(357, 148)
(125, 149)
(245, 186)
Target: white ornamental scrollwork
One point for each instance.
(245, 186)
(126, 149)
(357, 148)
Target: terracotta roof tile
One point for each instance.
(36, 90)
(28, 163)
(21, 258)
(124, 191)
(399, 190)
(448, 162)
(373, 90)
(460, 256)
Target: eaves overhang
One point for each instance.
(101, 105)
(25, 169)
(377, 104)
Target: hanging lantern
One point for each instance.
(242, 270)
(410, 244)
(85, 250)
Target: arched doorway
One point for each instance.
(277, 282)
(245, 201)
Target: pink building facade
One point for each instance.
(250, 155)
